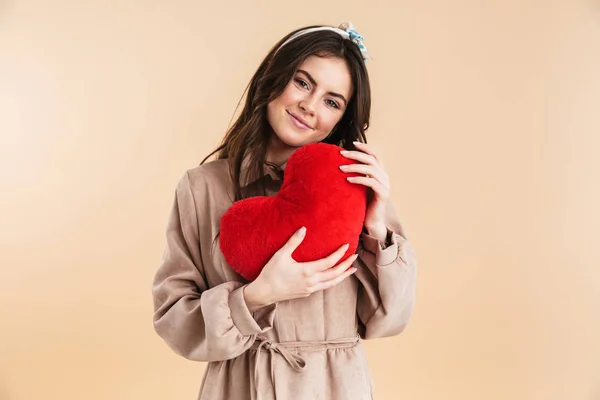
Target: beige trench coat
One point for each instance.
(302, 349)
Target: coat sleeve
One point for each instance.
(199, 322)
(387, 281)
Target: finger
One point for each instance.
(364, 169)
(373, 183)
(367, 149)
(332, 282)
(360, 156)
(334, 272)
(313, 267)
(293, 242)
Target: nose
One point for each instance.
(308, 104)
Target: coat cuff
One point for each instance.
(249, 323)
(383, 255)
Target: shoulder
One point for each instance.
(211, 177)
(213, 172)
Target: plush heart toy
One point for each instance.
(314, 194)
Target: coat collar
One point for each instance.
(270, 171)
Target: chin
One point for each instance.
(294, 139)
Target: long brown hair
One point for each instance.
(249, 135)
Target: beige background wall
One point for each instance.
(487, 112)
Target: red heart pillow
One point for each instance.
(314, 194)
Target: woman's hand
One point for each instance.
(377, 180)
(283, 278)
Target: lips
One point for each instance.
(299, 121)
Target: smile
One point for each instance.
(299, 124)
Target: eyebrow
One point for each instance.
(312, 81)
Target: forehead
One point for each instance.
(331, 74)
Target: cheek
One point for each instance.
(288, 96)
(328, 121)
(275, 113)
(271, 111)
(275, 108)
(288, 93)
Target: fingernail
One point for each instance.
(344, 151)
(346, 246)
(301, 231)
(359, 143)
(354, 270)
(343, 167)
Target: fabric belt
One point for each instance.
(296, 361)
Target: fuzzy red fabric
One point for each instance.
(314, 194)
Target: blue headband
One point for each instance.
(345, 30)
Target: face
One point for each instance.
(312, 103)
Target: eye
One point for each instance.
(301, 83)
(332, 103)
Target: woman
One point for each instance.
(295, 332)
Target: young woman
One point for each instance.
(296, 331)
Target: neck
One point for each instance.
(278, 152)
